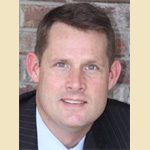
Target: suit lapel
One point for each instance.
(89, 142)
(92, 141)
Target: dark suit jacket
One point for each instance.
(109, 132)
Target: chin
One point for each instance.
(78, 122)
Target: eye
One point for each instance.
(62, 65)
(91, 67)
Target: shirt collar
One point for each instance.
(46, 140)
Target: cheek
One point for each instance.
(98, 98)
(50, 89)
(51, 82)
(98, 84)
(98, 90)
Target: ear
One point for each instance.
(114, 73)
(32, 66)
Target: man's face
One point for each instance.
(73, 78)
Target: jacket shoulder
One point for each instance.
(25, 98)
(27, 121)
(113, 126)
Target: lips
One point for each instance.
(74, 101)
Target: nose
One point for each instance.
(75, 81)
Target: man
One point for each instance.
(74, 67)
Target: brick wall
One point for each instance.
(31, 11)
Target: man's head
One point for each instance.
(82, 16)
(75, 45)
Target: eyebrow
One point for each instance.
(86, 61)
(96, 62)
(57, 59)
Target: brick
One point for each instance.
(21, 68)
(27, 41)
(33, 14)
(120, 17)
(122, 41)
(125, 73)
(46, 0)
(120, 92)
(122, 45)
(21, 17)
(117, 12)
(106, 1)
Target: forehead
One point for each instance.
(59, 29)
(63, 38)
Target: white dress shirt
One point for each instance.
(47, 141)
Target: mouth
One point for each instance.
(74, 101)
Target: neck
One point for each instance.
(69, 140)
(69, 137)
